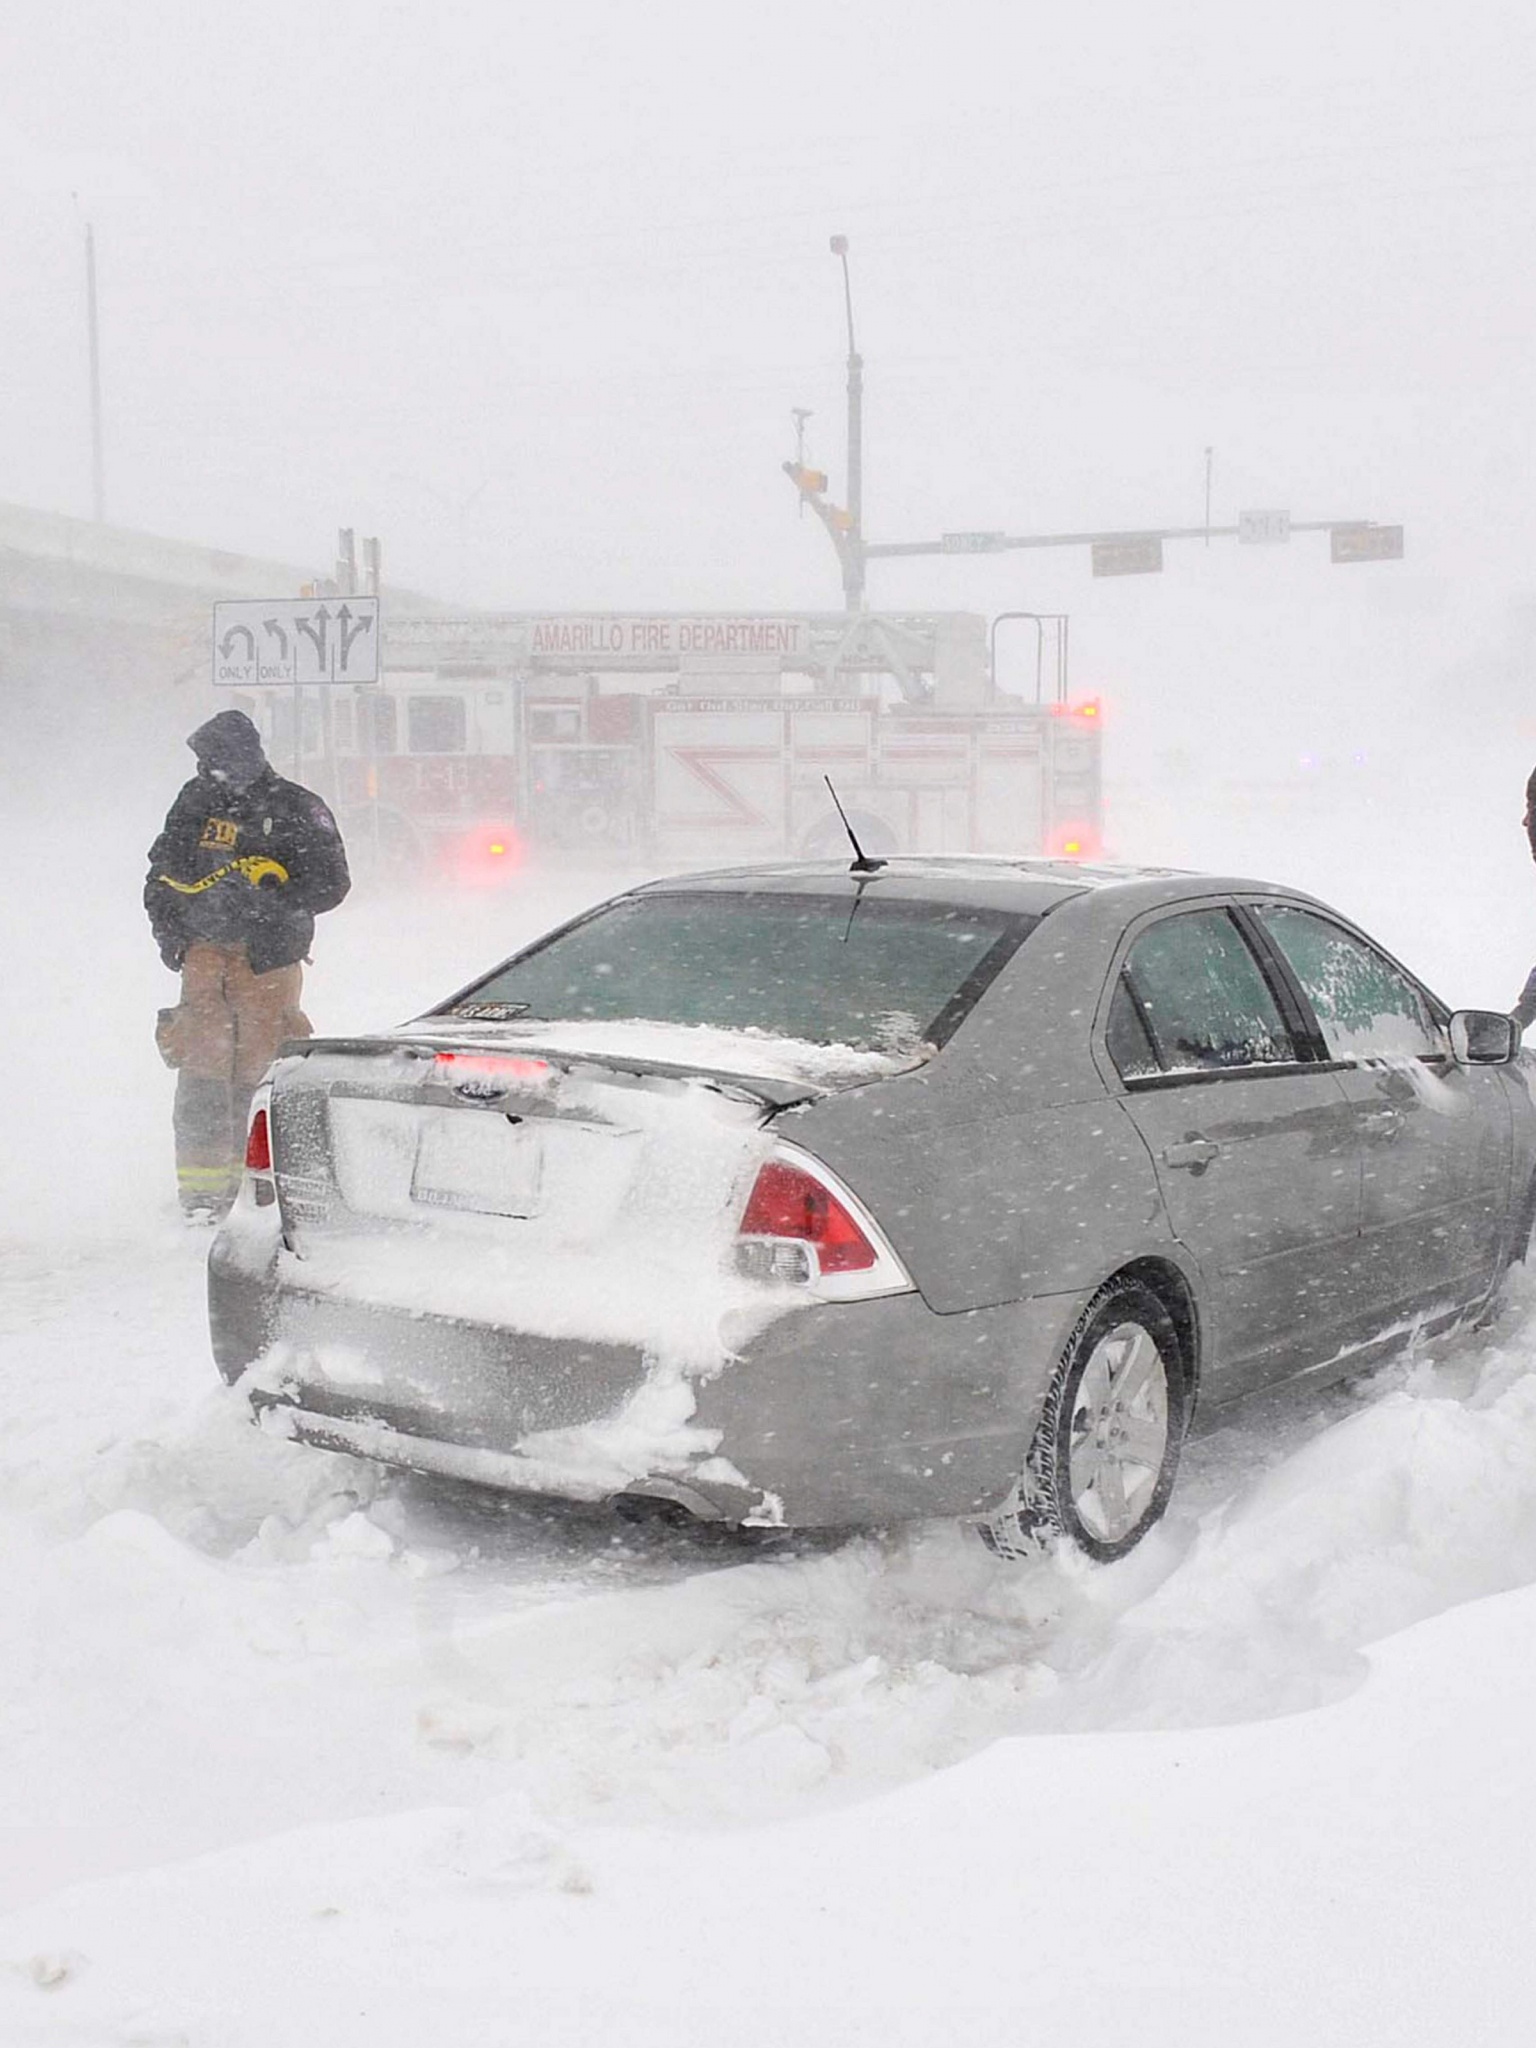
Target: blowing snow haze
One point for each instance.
(531, 293)
(543, 298)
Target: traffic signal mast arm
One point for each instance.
(999, 543)
(1117, 551)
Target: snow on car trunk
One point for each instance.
(571, 1202)
(586, 1185)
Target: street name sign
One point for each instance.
(1366, 543)
(972, 543)
(1140, 557)
(261, 643)
(1263, 529)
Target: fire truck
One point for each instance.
(681, 738)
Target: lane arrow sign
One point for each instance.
(349, 632)
(307, 628)
(295, 642)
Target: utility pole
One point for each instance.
(364, 711)
(853, 547)
(98, 487)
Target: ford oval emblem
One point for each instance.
(480, 1089)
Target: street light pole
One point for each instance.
(853, 546)
(98, 485)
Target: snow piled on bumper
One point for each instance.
(632, 1249)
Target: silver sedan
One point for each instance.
(801, 1197)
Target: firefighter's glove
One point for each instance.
(261, 871)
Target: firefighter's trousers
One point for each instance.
(222, 1039)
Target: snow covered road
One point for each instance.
(290, 1754)
(438, 1756)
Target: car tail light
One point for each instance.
(788, 1203)
(801, 1226)
(258, 1150)
(258, 1144)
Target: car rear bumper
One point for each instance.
(837, 1414)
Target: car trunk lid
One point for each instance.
(531, 1184)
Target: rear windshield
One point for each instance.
(826, 969)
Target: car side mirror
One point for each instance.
(1483, 1038)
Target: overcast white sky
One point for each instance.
(531, 291)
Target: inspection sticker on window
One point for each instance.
(478, 1160)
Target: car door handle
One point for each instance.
(1194, 1152)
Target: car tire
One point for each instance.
(1105, 1453)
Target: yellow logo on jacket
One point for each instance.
(220, 835)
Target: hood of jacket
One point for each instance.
(229, 747)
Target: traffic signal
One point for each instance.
(811, 481)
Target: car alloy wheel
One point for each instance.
(1117, 1439)
(1106, 1451)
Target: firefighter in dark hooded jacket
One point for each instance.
(245, 862)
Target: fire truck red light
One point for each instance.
(496, 847)
(1074, 842)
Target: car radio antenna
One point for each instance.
(861, 864)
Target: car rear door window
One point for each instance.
(1130, 1047)
(1202, 997)
(1365, 1005)
(831, 970)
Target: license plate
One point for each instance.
(479, 1160)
